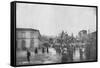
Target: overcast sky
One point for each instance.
(52, 19)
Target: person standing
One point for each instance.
(28, 55)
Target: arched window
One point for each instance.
(32, 43)
(36, 50)
(23, 45)
(43, 50)
(47, 50)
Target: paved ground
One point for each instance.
(40, 59)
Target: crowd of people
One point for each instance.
(70, 49)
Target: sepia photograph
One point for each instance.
(52, 33)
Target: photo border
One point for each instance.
(13, 32)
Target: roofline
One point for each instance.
(30, 29)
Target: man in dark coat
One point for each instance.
(28, 55)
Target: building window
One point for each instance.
(36, 50)
(47, 50)
(32, 43)
(23, 45)
(23, 34)
(43, 50)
